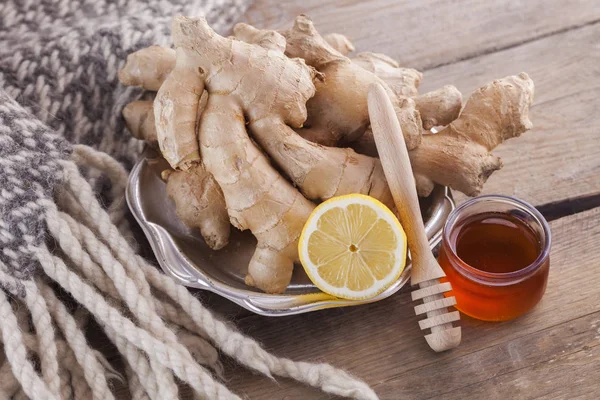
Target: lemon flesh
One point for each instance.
(353, 247)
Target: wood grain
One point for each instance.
(423, 34)
(381, 344)
(511, 369)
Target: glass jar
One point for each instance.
(503, 291)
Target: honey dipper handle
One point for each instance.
(398, 172)
(425, 269)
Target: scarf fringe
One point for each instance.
(161, 330)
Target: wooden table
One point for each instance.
(554, 351)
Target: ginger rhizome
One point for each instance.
(338, 114)
(259, 126)
(198, 199)
(459, 155)
(245, 83)
(199, 203)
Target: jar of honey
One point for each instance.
(495, 253)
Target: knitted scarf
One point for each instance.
(65, 256)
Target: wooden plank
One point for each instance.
(560, 65)
(557, 159)
(495, 367)
(423, 34)
(571, 376)
(382, 343)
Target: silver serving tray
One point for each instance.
(182, 253)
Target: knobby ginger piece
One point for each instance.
(436, 108)
(199, 203)
(338, 114)
(439, 107)
(148, 68)
(265, 38)
(139, 118)
(340, 43)
(459, 155)
(198, 199)
(403, 82)
(320, 172)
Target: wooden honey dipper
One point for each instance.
(426, 272)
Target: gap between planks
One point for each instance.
(492, 49)
(488, 385)
(564, 208)
(423, 34)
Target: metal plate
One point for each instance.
(182, 253)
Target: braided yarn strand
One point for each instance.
(156, 379)
(103, 225)
(45, 332)
(60, 226)
(16, 354)
(251, 354)
(149, 376)
(9, 384)
(158, 326)
(92, 369)
(135, 387)
(117, 175)
(91, 269)
(69, 365)
(171, 357)
(74, 212)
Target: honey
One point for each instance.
(495, 254)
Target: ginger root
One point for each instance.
(139, 118)
(340, 43)
(440, 107)
(320, 172)
(458, 156)
(338, 113)
(148, 68)
(199, 203)
(267, 39)
(436, 108)
(227, 106)
(404, 82)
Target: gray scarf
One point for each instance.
(58, 85)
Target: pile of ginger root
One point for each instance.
(260, 127)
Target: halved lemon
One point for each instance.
(353, 247)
